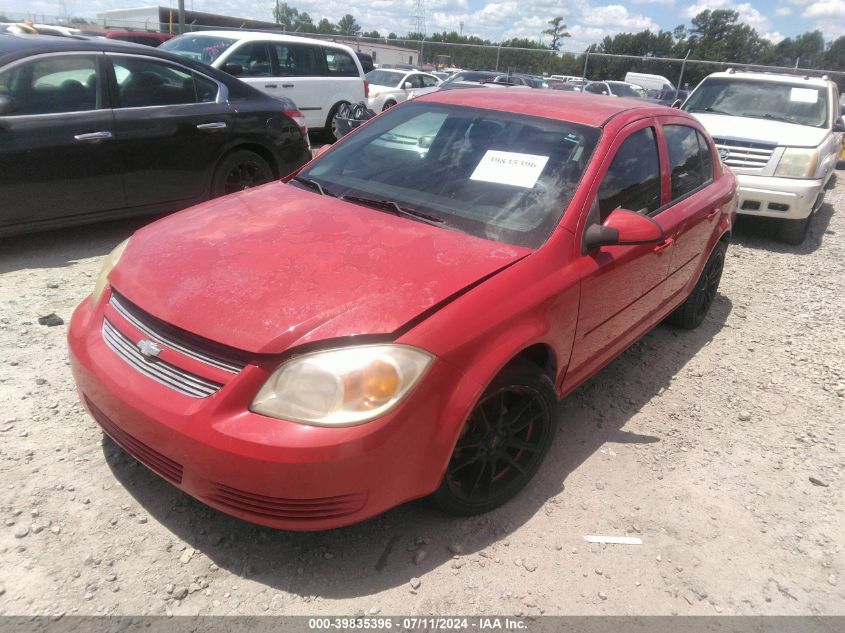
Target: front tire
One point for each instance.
(388, 104)
(793, 231)
(690, 314)
(502, 444)
(242, 169)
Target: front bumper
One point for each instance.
(267, 471)
(787, 198)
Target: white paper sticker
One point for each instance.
(510, 168)
(804, 95)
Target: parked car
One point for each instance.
(317, 76)
(97, 129)
(649, 82)
(781, 134)
(307, 355)
(366, 61)
(669, 96)
(147, 38)
(389, 87)
(615, 89)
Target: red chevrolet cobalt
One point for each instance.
(399, 318)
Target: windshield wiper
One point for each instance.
(395, 207)
(313, 184)
(711, 110)
(773, 117)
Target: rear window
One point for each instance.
(340, 64)
(384, 77)
(200, 48)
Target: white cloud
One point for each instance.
(666, 2)
(775, 37)
(825, 9)
(783, 11)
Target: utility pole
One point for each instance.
(419, 25)
(181, 16)
(681, 78)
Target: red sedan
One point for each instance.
(398, 319)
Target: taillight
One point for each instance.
(297, 118)
(366, 89)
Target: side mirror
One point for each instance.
(839, 125)
(7, 105)
(624, 228)
(407, 85)
(677, 103)
(233, 69)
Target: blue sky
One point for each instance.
(588, 20)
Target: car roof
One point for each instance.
(250, 36)
(575, 107)
(772, 78)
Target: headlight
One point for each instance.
(797, 163)
(109, 262)
(342, 387)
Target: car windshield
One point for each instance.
(624, 90)
(791, 102)
(476, 76)
(200, 48)
(384, 77)
(500, 176)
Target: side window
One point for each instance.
(253, 58)
(297, 60)
(428, 82)
(706, 157)
(684, 159)
(595, 88)
(146, 82)
(339, 63)
(415, 81)
(633, 180)
(53, 85)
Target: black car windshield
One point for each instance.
(385, 77)
(792, 102)
(501, 176)
(200, 48)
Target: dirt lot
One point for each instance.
(720, 448)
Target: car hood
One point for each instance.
(762, 130)
(278, 266)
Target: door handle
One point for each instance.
(287, 85)
(93, 136)
(217, 125)
(270, 85)
(664, 245)
(713, 213)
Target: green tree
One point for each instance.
(290, 19)
(557, 32)
(371, 34)
(324, 27)
(347, 25)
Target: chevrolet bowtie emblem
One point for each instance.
(149, 349)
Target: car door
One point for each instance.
(621, 286)
(299, 76)
(57, 153)
(689, 219)
(171, 125)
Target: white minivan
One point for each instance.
(318, 76)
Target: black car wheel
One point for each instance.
(793, 231)
(388, 104)
(332, 132)
(691, 312)
(238, 171)
(502, 443)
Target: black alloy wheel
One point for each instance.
(501, 445)
(690, 314)
(239, 171)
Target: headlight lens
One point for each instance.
(109, 262)
(797, 163)
(342, 387)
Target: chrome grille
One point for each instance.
(745, 154)
(153, 330)
(161, 371)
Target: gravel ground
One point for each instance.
(720, 448)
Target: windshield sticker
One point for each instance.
(510, 168)
(804, 95)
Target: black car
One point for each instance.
(92, 129)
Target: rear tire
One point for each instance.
(242, 169)
(690, 314)
(388, 104)
(331, 133)
(502, 444)
(793, 231)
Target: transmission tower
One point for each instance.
(418, 24)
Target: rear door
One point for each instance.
(691, 216)
(299, 73)
(622, 286)
(57, 155)
(170, 126)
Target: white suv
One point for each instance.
(781, 134)
(318, 76)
